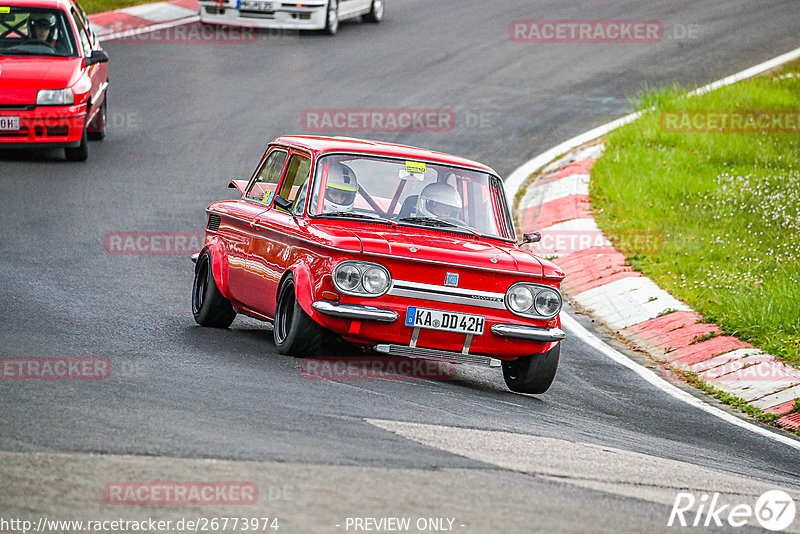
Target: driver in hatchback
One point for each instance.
(42, 27)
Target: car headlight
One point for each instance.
(55, 97)
(375, 280)
(547, 302)
(533, 300)
(361, 278)
(346, 277)
(520, 299)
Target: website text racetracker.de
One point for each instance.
(199, 524)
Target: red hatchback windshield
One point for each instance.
(35, 31)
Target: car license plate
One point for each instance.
(463, 323)
(257, 5)
(9, 123)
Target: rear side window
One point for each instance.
(266, 180)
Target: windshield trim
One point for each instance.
(498, 183)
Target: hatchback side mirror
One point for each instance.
(532, 237)
(282, 203)
(97, 56)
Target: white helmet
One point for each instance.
(42, 20)
(341, 188)
(439, 200)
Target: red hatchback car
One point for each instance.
(405, 250)
(53, 77)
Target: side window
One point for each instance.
(83, 38)
(296, 177)
(266, 181)
(81, 14)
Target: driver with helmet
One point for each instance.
(42, 27)
(439, 200)
(340, 189)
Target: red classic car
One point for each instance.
(405, 250)
(53, 77)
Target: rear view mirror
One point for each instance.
(282, 203)
(405, 175)
(532, 237)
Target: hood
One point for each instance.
(22, 77)
(448, 248)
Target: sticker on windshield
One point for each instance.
(415, 167)
(5, 9)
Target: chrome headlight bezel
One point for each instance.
(360, 289)
(55, 97)
(531, 312)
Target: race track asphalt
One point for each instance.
(186, 118)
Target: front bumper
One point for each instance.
(48, 126)
(355, 311)
(283, 18)
(377, 325)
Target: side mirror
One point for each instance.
(282, 203)
(98, 56)
(532, 237)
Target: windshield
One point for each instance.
(412, 193)
(35, 31)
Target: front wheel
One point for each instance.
(97, 128)
(532, 374)
(80, 152)
(209, 306)
(375, 14)
(332, 17)
(294, 331)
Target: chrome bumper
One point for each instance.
(355, 311)
(532, 333)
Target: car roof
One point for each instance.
(319, 145)
(61, 4)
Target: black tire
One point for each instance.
(98, 134)
(375, 14)
(532, 374)
(209, 307)
(294, 331)
(80, 152)
(332, 17)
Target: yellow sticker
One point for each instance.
(4, 9)
(413, 166)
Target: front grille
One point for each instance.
(257, 14)
(213, 222)
(435, 354)
(467, 297)
(17, 107)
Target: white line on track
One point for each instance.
(575, 328)
(515, 181)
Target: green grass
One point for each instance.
(725, 208)
(98, 6)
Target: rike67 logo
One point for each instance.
(774, 510)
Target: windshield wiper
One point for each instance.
(353, 215)
(432, 221)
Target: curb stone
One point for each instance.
(143, 18)
(600, 282)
